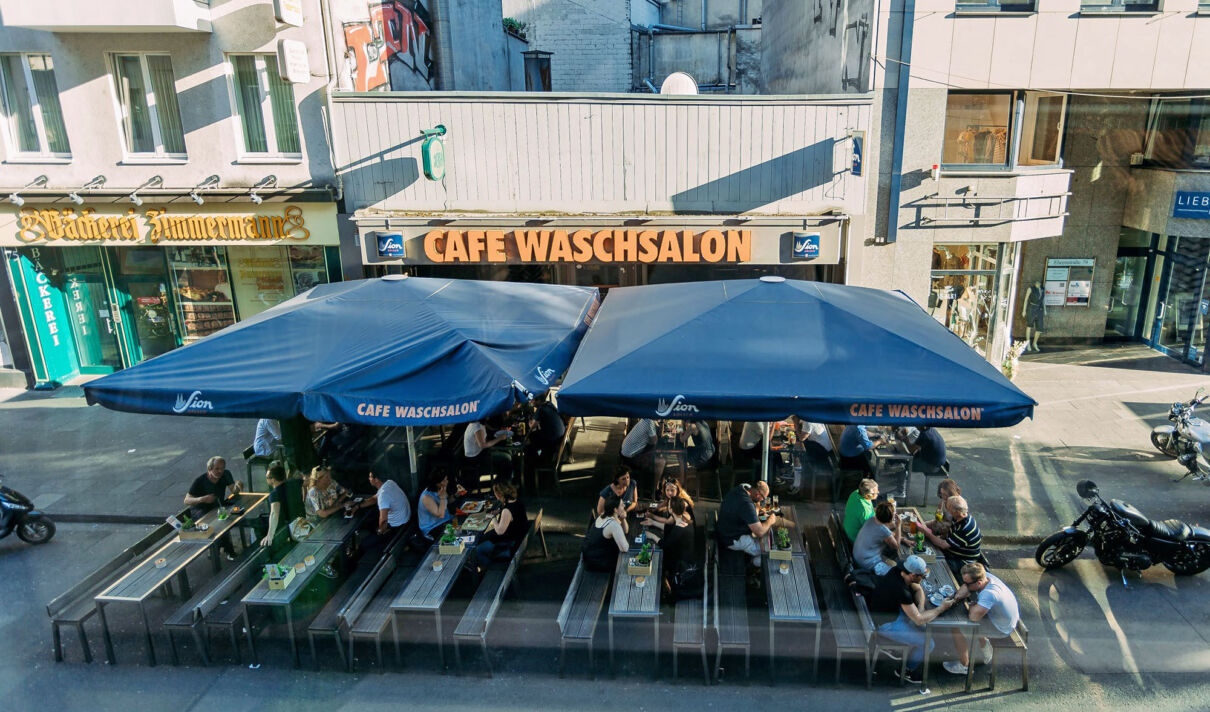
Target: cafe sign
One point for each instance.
(64, 227)
(588, 245)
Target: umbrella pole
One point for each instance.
(411, 449)
(764, 454)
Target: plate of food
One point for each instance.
(936, 599)
(473, 507)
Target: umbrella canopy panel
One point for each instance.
(390, 351)
(761, 349)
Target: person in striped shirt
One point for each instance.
(964, 543)
(638, 454)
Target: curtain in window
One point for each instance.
(43, 72)
(248, 104)
(139, 138)
(285, 120)
(18, 108)
(163, 84)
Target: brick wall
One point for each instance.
(590, 40)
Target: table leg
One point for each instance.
(105, 633)
(772, 656)
(248, 633)
(655, 624)
(815, 659)
(970, 657)
(440, 642)
(610, 645)
(928, 639)
(147, 633)
(186, 591)
(395, 634)
(290, 626)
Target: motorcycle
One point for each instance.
(1187, 439)
(18, 514)
(1125, 539)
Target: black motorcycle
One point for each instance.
(1125, 539)
(17, 514)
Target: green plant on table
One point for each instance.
(187, 522)
(782, 538)
(644, 556)
(449, 535)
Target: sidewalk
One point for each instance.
(1096, 409)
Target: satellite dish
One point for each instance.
(678, 83)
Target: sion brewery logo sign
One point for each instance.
(544, 374)
(193, 402)
(678, 405)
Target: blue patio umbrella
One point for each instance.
(762, 349)
(390, 351)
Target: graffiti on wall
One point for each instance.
(391, 48)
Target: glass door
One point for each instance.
(1125, 296)
(90, 314)
(141, 295)
(1177, 319)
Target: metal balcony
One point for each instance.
(108, 15)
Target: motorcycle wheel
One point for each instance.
(36, 531)
(1165, 446)
(1189, 562)
(1057, 550)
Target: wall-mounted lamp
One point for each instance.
(154, 181)
(269, 181)
(210, 182)
(75, 198)
(15, 197)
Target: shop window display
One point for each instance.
(963, 291)
(203, 290)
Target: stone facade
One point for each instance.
(590, 41)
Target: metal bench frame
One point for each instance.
(189, 615)
(688, 631)
(588, 602)
(729, 643)
(1019, 640)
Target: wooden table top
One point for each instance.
(262, 595)
(792, 594)
(939, 574)
(630, 600)
(218, 527)
(145, 578)
(427, 589)
(336, 528)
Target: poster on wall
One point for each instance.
(261, 278)
(1069, 282)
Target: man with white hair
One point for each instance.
(209, 491)
(993, 606)
(964, 543)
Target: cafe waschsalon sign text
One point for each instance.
(586, 245)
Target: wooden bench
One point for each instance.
(847, 628)
(481, 611)
(76, 605)
(251, 460)
(221, 609)
(731, 619)
(841, 545)
(581, 610)
(690, 620)
(188, 616)
(369, 613)
(1019, 640)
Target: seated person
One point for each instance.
(963, 544)
(285, 498)
(500, 540)
(855, 444)
(682, 567)
(702, 449)
(739, 527)
(859, 507)
(208, 491)
(748, 445)
(394, 512)
(671, 491)
(477, 452)
(899, 592)
(606, 537)
(621, 487)
(546, 431)
(816, 443)
(943, 521)
(875, 536)
(993, 606)
(434, 506)
(638, 451)
(324, 496)
(928, 450)
(268, 438)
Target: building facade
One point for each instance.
(167, 172)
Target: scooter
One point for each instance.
(1187, 438)
(18, 514)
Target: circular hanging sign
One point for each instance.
(432, 155)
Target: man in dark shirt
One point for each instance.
(964, 545)
(739, 527)
(929, 452)
(899, 591)
(208, 491)
(546, 432)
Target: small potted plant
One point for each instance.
(781, 544)
(449, 542)
(640, 563)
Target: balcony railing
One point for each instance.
(108, 15)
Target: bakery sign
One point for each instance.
(62, 227)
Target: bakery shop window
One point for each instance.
(203, 290)
(980, 128)
(265, 276)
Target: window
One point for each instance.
(986, 6)
(537, 70)
(980, 130)
(1097, 6)
(1179, 134)
(962, 295)
(265, 105)
(32, 114)
(151, 118)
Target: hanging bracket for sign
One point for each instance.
(432, 152)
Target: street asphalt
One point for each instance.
(1094, 643)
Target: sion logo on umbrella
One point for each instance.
(193, 402)
(678, 405)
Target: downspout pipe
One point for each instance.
(901, 100)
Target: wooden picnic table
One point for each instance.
(145, 579)
(957, 617)
(262, 595)
(631, 601)
(337, 528)
(427, 590)
(791, 595)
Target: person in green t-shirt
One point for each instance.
(860, 507)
